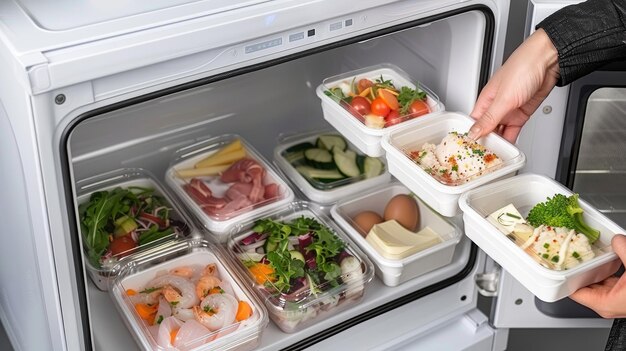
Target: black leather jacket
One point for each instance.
(587, 35)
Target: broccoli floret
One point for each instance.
(562, 211)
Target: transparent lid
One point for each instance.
(381, 96)
(297, 257)
(225, 177)
(185, 297)
(329, 153)
(123, 213)
(439, 145)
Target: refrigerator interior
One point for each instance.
(449, 56)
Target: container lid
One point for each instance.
(381, 89)
(297, 257)
(376, 201)
(224, 180)
(436, 149)
(158, 296)
(123, 213)
(322, 180)
(542, 252)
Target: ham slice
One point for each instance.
(202, 194)
(271, 191)
(244, 170)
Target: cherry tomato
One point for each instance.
(393, 118)
(418, 108)
(364, 84)
(360, 105)
(379, 107)
(389, 99)
(122, 245)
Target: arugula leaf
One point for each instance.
(407, 96)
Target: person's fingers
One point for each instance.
(490, 119)
(511, 133)
(619, 246)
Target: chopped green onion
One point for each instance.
(514, 216)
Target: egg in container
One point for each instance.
(301, 264)
(122, 215)
(325, 167)
(186, 298)
(223, 181)
(540, 276)
(386, 85)
(445, 134)
(421, 240)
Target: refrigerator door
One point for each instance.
(540, 139)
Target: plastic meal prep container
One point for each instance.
(524, 192)
(134, 284)
(293, 311)
(441, 197)
(365, 138)
(318, 191)
(219, 222)
(391, 271)
(103, 272)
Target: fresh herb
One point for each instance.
(545, 256)
(513, 215)
(455, 168)
(149, 290)
(478, 152)
(555, 258)
(160, 319)
(381, 83)
(576, 255)
(174, 303)
(407, 96)
(208, 309)
(546, 245)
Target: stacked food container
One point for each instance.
(448, 174)
(242, 248)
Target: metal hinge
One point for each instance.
(487, 283)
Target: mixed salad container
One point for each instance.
(300, 264)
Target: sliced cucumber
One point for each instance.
(360, 162)
(324, 175)
(299, 147)
(319, 158)
(296, 255)
(270, 245)
(294, 157)
(372, 167)
(346, 162)
(330, 141)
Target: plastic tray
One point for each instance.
(432, 129)
(135, 276)
(323, 193)
(124, 178)
(219, 225)
(395, 272)
(365, 138)
(300, 309)
(525, 191)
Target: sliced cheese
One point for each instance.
(393, 241)
(219, 158)
(506, 218)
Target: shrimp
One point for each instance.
(216, 311)
(183, 271)
(205, 284)
(180, 291)
(210, 269)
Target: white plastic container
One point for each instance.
(524, 192)
(293, 311)
(395, 272)
(219, 225)
(103, 272)
(441, 197)
(324, 193)
(365, 138)
(243, 335)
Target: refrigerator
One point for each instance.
(89, 87)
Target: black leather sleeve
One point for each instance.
(586, 36)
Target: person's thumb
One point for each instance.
(489, 120)
(619, 246)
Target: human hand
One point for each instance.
(516, 89)
(608, 297)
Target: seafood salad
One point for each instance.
(189, 306)
(456, 159)
(300, 267)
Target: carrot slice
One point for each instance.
(146, 312)
(131, 292)
(389, 99)
(244, 311)
(173, 334)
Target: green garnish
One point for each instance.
(160, 319)
(575, 254)
(555, 258)
(546, 245)
(407, 96)
(514, 216)
(174, 303)
(149, 290)
(208, 309)
(455, 168)
(545, 256)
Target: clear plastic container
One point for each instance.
(401, 145)
(357, 128)
(160, 327)
(397, 271)
(312, 299)
(220, 205)
(109, 241)
(538, 275)
(322, 192)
